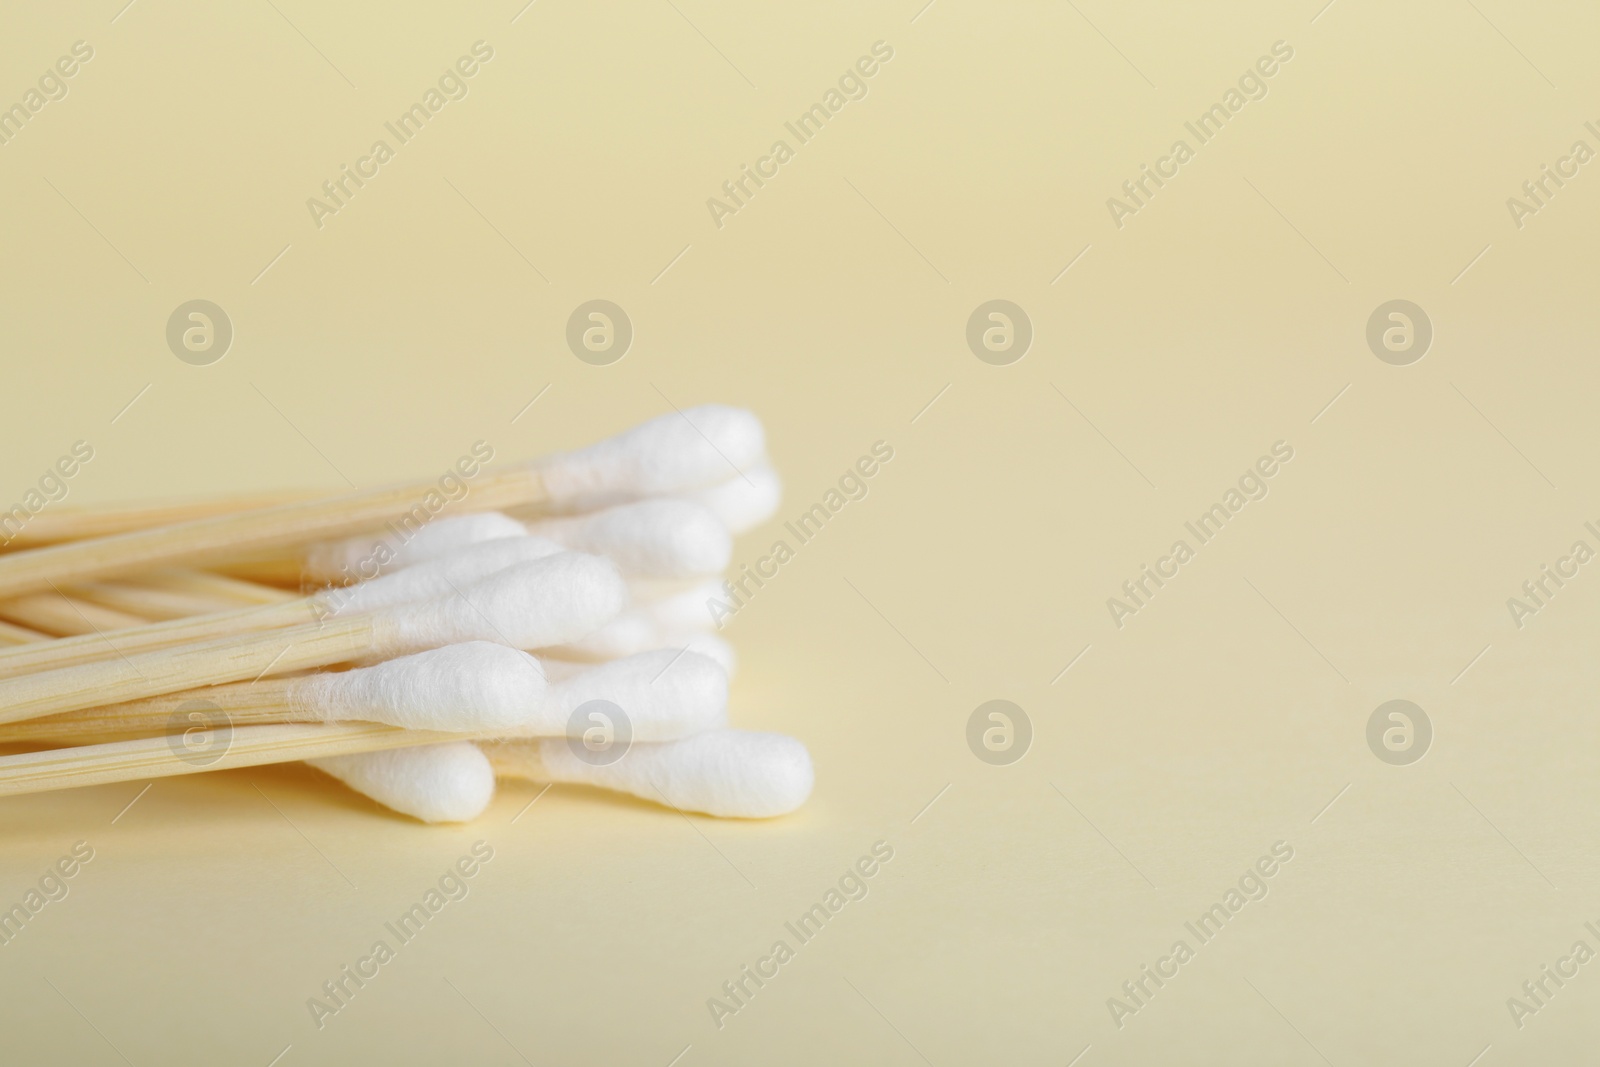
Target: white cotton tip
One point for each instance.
(743, 503)
(645, 590)
(559, 670)
(645, 626)
(624, 635)
(685, 609)
(672, 454)
(476, 685)
(703, 644)
(452, 782)
(711, 646)
(731, 773)
(548, 601)
(664, 694)
(650, 539)
(437, 577)
(353, 558)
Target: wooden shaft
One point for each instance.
(237, 704)
(12, 634)
(157, 605)
(146, 674)
(58, 615)
(75, 524)
(284, 570)
(93, 648)
(204, 541)
(218, 587)
(161, 757)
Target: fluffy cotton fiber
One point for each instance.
(745, 501)
(345, 560)
(730, 773)
(450, 782)
(648, 539)
(549, 601)
(467, 687)
(676, 453)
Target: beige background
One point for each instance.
(1223, 317)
